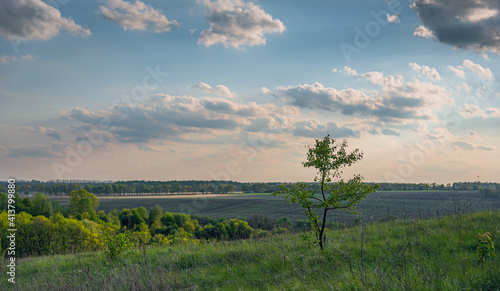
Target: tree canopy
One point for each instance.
(81, 202)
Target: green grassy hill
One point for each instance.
(435, 254)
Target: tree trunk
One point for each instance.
(322, 230)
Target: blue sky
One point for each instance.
(234, 89)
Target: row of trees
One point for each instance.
(127, 189)
(204, 187)
(436, 186)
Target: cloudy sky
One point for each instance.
(233, 89)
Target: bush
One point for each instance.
(261, 221)
(131, 217)
(115, 244)
(259, 233)
(486, 247)
(238, 229)
(71, 235)
(280, 230)
(285, 222)
(227, 229)
(204, 220)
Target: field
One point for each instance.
(435, 254)
(378, 206)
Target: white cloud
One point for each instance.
(219, 90)
(472, 110)
(393, 18)
(478, 14)
(35, 151)
(166, 116)
(430, 73)
(393, 106)
(466, 87)
(485, 148)
(467, 146)
(422, 31)
(474, 135)
(492, 112)
(265, 90)
(235, 23)
(314, 129)
(384, 131)
(457, 142)
(412, 94)
(48, 131)
(463, 145)
(7, 59)
(346, 70)
(213, 120)
(34, 20)
(397, 101)
(378, 78)
(485, 73)
(136, 16)
(457, 71)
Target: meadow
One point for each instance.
(407, 254)
(377, 206)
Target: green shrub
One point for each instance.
(261, 221)
(485, 246)
(280, 230)
(115, 244)
(259, 233)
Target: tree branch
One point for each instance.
(340, 207)
(317, 199)
(315, 222)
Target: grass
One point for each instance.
(434, 254)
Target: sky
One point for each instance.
(237, 90)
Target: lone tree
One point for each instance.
(83, 204)
(328, 158)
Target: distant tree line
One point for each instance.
(436, 186)
(123, 188)
(142, 187)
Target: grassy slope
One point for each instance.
(436, 254)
